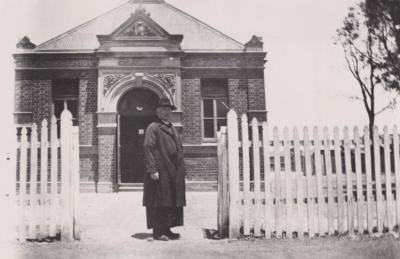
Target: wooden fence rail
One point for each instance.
(46, 183)
(284, 185)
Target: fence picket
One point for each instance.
(368, 176)
(233, 170)
(33, 181)
(388, 178)
(310, 198)
(396, 171)
(329, 180)
(267, 183)
(43, 177)
(339, 181)
(42, 209)
(349, 181)
(299, 185)
(318, 173)
(256, 173)
(288, 184)
(378, 182)
(289, 190)
(277, 172)
(54, 177)
(246, 175)
(360, 197)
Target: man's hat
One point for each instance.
(164, 102)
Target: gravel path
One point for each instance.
(113, 226)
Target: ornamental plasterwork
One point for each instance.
(168, 80)
(111, 79)
(139, 29)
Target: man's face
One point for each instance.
(164, 113)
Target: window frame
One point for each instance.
(215, 117)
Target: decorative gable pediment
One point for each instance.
(138, 31)
(139, 25)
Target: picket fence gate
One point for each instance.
(297, 187)
(46, 183)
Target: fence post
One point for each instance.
(246, 176)
(388, 178)
(223, 199)
(33, 181)
(288, 184)
(22, 183)
(299, 185)
(66, 137)
(349, 183)
(397, 171)
(233, 174)
(368, 177)
(256, 172)
(75, 181)
(55, 201)
(378, 181)
(267, 183)
(329, 177)
(43, 178)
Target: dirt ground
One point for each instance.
(113, 226)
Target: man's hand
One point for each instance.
(154, 176)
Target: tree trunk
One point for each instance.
(371, 124)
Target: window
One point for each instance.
(214, 106)
(65, 96)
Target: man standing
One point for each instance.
(164, 179)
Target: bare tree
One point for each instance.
(366, 59)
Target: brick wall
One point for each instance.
(34, 96)
(201, 169)
(107, 161)
(191, 102)
(256, 94)
(238, 95)
(87, 111)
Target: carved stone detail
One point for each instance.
(139, 29)
(169, 80)
(111, 79)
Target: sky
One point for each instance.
(306, 79)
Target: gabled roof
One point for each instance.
(197, 36)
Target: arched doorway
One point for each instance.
(136, 111)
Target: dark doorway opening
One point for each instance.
(136, 111)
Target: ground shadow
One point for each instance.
(142, 236)
(210, 234)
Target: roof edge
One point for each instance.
(60, 36)
(209, 27)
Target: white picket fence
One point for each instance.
(46, 183)
(281, 185)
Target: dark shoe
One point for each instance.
(172, 235)
(161, 238)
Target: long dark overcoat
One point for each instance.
(163, 154)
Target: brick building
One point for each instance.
(110, 73)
